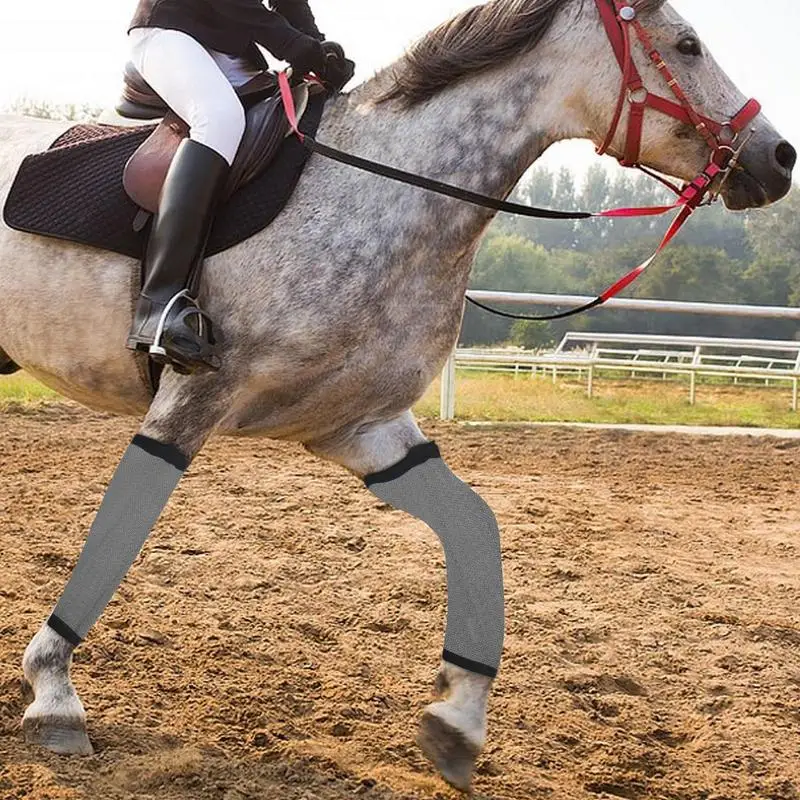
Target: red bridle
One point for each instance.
(618, 18)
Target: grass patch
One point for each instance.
(21, 388)
(504, 398)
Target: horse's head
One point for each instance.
(762, 171)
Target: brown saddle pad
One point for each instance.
(74, 190)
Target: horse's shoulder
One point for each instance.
(21, 136)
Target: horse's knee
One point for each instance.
(184, 415)
(424, 486)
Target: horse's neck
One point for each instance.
(468, 133)
(476, 134)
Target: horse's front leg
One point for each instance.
(403, 469)
(145, 478)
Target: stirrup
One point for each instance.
(179, 344)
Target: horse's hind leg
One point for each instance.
(142, 484)
(401, 468)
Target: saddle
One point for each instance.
(266, 128)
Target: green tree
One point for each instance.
(774, 236)
(512, 263)
(532, 335)
(719, 256)
(540, 188)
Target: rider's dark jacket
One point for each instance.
(233, 26)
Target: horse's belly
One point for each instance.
(331, 404)
(129, 398)
(64, 315)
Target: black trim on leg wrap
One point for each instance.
(63, 630)
(417, 455)
(424, 486)
(166, 452)
(468, 663)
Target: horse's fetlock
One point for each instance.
(40, 665)
(441, 686)
(48, 651)
(463, 720)
(59, 707)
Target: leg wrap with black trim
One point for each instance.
(141, 486)
(424, 486)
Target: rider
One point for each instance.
(192, 52)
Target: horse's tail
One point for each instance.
(7, 366)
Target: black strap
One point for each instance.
(598, 301)
(437, 186)
(417, 455)
(459, 194)
(166, 452)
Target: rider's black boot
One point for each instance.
(167, 322)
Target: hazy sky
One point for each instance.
(73, 50)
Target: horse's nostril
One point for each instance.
(786, 155)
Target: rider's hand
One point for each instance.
(338, 69)
(307, 56)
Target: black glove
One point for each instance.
(338, 69)
(307, 56)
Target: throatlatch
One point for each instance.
(141, 486)
(424, 486)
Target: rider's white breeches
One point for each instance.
(195, 83)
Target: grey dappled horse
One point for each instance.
(337, 318)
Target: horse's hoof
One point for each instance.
(449, 749)
(62, 736)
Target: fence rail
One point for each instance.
(592, 353)
(632, 304)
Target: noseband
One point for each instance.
(618, 17)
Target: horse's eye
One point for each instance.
(690, 47)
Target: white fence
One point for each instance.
(587, 353)
(630, 304)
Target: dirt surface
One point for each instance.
(279, 634)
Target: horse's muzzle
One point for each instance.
(763, 177)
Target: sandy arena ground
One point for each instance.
(279, 634)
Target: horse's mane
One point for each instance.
(481, 37)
